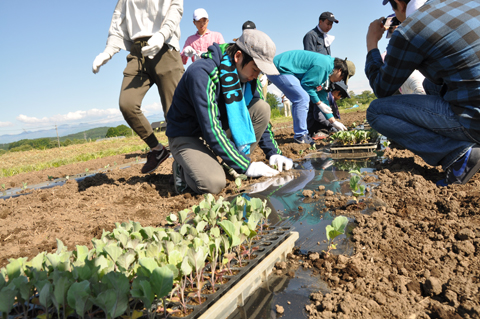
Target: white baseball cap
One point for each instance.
(199, 14)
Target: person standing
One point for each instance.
(199, 42)
(441, 40)
(150, 30)
(318, 39)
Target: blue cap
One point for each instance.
(385, 2)
(341, 86)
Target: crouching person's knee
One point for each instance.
(213, 184)
(372, 113)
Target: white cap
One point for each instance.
(199, 14)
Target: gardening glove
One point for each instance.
(258, 169)
(339, 126)
(324, 108)
(189, 51)
(198, 56)
(154, 46)
(279, 160)
(100, 60)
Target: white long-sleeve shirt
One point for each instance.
(134, 19)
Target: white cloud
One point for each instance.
(93, 115)
(6, 124)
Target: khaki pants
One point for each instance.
(202, 172)
(164, 70)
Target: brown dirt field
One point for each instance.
(416, 258)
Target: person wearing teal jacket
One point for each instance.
(306, 76)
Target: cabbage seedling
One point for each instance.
(335, 229)
(357, 188)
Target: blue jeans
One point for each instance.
(424, 124)
(291, 87)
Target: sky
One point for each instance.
(48, 48)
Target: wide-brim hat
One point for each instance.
(261, 48)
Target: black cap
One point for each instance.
(248, 25)
(385, 2)
(342, 87)
(329, 16)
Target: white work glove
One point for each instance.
(100, 60)
(258, 169)
(325, 108)
(198, 56)
(154, 46)
(339, 126)
(189, 51)
(279, 160)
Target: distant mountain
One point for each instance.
(66, 130)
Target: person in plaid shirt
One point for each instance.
(441, 39)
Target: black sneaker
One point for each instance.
(178, 182)
(305, 139)
(333, 130)
(154, 159)
(463, 169)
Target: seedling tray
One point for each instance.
(273, 246)
(355, 148)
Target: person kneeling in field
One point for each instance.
(307, 76)
(441, 39)
(217, 111)
(316, 120)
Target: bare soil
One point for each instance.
(418, 257)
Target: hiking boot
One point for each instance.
(154, 159)
(305, 139)
(463, 169)
(178, 181)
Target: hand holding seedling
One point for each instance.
(280, 161)
(258, 169)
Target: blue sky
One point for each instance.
(48, 48)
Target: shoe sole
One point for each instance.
(470, 174)
(159, 162)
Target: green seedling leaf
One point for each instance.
(183, 215)
(15, 267)
(185, 268)
(121, 287)
(36, 262)
(81, 254)
(228, 227)
(175, 237)
(238, 182)
(82, 272)
(147, 232)
(125, 260)
(162, 281)
(142, 290)
(7, 299)
(175, 258)
(45, 296)
(172, 219)
(78, 295)
(149, 264)
(22, 286)
(201, 226)
(215, 232)
(339, 223)
(113, 251)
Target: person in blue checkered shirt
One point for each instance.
(441, 39)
